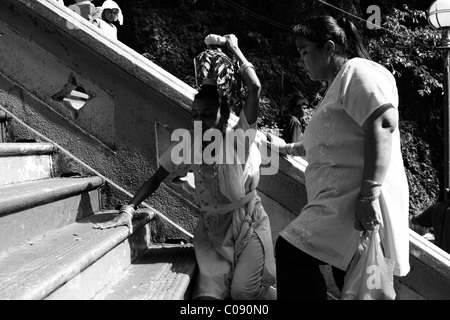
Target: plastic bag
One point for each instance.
(370, 275)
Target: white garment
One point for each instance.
(230, 209)
(334, 144)
(84, 8)
(109, 4)
(108, 29)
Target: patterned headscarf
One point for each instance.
(213, 66)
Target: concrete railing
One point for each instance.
(429, 277)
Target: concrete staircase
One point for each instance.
(50, 250)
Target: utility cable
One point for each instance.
(258, 16)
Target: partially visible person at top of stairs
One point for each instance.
(232, 240)
(105, 17)
(84, 8)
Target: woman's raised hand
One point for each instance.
(232, 42)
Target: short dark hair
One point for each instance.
(296, 101)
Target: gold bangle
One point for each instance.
(373, 183)
(244, 66)
(367, 199)
(128, 209)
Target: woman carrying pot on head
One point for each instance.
(232, 240)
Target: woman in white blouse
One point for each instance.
(355, 177)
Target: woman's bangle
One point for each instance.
(367, 199)
(244, 66)
(128, 209)
(372, 183)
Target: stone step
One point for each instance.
(162, 272)
(29, 209)
(73, 262)
(21, 162)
